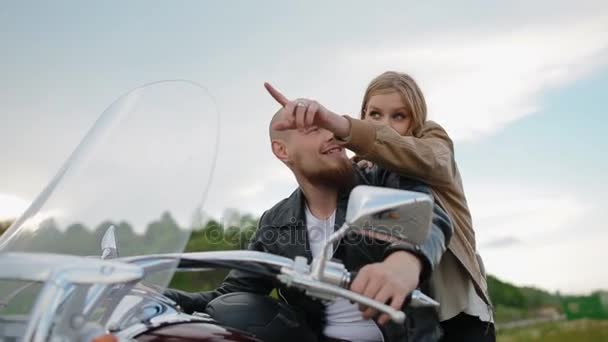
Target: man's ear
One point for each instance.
(279, 149)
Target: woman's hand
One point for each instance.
(365, 164)
(305, 113)
(391, 280)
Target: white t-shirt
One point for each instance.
(344, 320)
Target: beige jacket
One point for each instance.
(429, 157)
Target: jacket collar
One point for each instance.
(292, 212)
(290, 219)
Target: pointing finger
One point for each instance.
(277, 95)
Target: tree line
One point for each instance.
(164, 234)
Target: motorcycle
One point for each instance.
(151, 156)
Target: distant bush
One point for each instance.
(505, 294)
(529, 298)
(214, 237)
(594, 306)
(4, 226)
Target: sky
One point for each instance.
(519, 85)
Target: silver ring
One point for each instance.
(300, 104)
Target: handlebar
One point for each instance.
(322, 290)
(296, 273)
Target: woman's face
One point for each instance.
(389, 109)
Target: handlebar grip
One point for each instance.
(418, 300)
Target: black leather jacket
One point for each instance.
(282, 231)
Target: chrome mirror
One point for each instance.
(109, 249)
(388, 214)
(384, 214)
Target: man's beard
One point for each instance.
(339, 175)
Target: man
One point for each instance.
(297, 226)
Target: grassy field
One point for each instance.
(579, 331)
(505, 314)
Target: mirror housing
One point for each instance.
(384, 214)
(109, 248)
(393, 213)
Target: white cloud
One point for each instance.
(254, 192)
(539, 236)
(477, 83)
(522, 212)
(11, 206)
(572, 265)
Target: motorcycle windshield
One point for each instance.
(143, 168)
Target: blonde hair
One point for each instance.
(404, 85)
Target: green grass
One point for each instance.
(505, 314)
(579, 331)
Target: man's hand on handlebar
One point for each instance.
(390, 282)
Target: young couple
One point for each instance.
(395, 146)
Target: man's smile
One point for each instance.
(332, 150)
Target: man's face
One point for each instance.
(315, 155)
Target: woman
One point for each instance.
(394, 133)
(419, 148)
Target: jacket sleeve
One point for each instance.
(236, 281)
(432, 249)
(428, 156)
